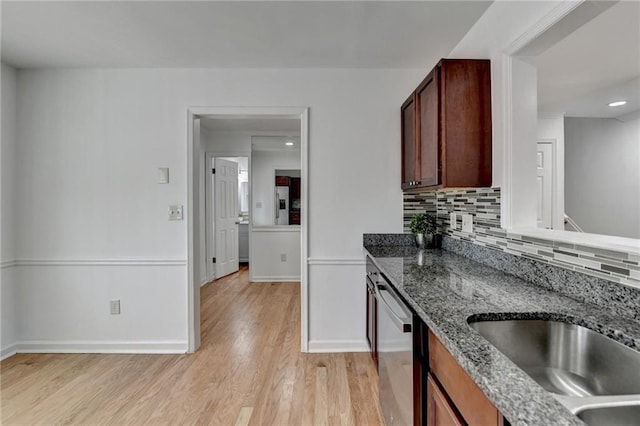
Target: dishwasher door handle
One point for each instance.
(403, 324)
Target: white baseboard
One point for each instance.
(98, 347)
(9, 351)
(325, 346)
(275, 279)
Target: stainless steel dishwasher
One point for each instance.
(395, 356)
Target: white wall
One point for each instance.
(552, 128)
(9, 300)
(267, 246)
(603, 175)
(263, 166)
(90, 145)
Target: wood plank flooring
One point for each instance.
(248, 371)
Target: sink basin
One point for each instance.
(620, 416)
(567, 359)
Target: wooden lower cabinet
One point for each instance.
(467, 398)
(439, 409)
(294, 218)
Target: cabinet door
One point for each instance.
(282, 180)
(408, 138)
(468, 398)
(294, 218)
(465, 122)
(295, 188)
(439, 410)
(427, 108)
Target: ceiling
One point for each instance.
(275, 143)
(228, 34)
(594, 65)
(289, 126)
(267, 133)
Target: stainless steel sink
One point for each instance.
(595, 377)
(566, 359)
(621, 416)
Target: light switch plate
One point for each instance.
(175, 212)
(453, 221)
(163, 175)
(467, 223)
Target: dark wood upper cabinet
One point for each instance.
(408, 142)
(282, 180)
(295, 188)
(427, 126)
(446, 127)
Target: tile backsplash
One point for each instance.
(484, 205)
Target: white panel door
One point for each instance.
(226, 216)
(544, 161)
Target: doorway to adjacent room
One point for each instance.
(269, 142)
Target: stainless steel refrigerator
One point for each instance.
(282, 205)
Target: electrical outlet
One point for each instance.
(453, 221)
(175, 212)
(115, 307)
(283, 257)
(467, 223)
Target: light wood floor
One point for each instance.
(249, 371)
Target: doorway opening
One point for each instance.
(238, 159)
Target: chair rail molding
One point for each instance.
(335, 261)
(98, 261)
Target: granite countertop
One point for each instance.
(446, 289)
